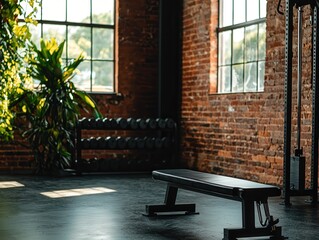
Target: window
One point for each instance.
(242, 46)
(88, 26)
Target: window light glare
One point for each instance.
(10, 184)
(77, 192)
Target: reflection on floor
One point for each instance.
(97, 207)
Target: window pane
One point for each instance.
(263, 7)
(103, 76)
(35, 33)
(262, 42)
(238, 45)
(251, 77)
(261, 76)
(54, 10)
(224, 79)
(55, 31)
(239, 11)
(251, 43)
(103, 11)
(224, 48)
(238, 78)
(79, 41)
(74, 15)
(252, 9)
(83, 79)
(226, 13)
(103, 43)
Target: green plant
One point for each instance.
(53, 107)
(14, 53)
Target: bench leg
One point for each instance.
(169, 205)
(249, 229)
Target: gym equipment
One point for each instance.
(132, 123)
(122, 123)
(247, 192)
(110, 142)
(120, 142)
(169, 123)
(151, 123)
(160, 123)
(85, 143)
(149, 142)
(130, 142)
(141, 123)
(140, 142)
(158, 143)
(294, 166)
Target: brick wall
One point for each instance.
(240, 134)
(232, 134)
(137, 58)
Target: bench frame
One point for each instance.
(248, 201)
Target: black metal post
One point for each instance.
(315, 106)
(288, 100)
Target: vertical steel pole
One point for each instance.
(315, 106)
(288, 100)
(299, 82)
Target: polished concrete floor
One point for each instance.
(111, 207)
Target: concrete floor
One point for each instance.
(26, 214)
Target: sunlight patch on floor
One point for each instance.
(77, 192)
(10, 184)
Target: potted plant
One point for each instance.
(53, 107)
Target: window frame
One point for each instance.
(91, 26)
(243, 25)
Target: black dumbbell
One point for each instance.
(112, 123)
(170, 123)
(140, 143)
(151, 123)
(166, 142)
(110, 142)
(132, 123)
(149, 142)
(85, 143)
(83, 122)
(158, 144)
(101, 143)
(94, 164)
(91, 123)
(130, 142)
(160, 123)
(141, 123)
(104, 164)
(93, 142)
(99, 123)
(120, 142)
(114, 165)
(106, 123)
(122, 123)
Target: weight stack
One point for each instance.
(297, 173)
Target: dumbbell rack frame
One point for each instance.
(122, 132)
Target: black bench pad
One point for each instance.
(227, 187)
(248, 192)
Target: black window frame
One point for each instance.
(91, 25)
(257, 22)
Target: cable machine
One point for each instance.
(294, 166)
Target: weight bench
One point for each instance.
(247, 192)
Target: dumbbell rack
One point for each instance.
(124, 145)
